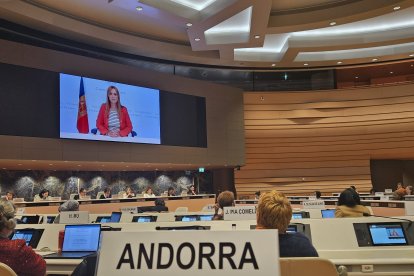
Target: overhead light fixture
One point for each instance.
(257, 36)
(396, 8)
(333, 23)
(189, 24)
(197, 39)
(306, 64)
(339, 62)
(139, 8)
(374, 59)
(412, 55)
(273, 64)
(357, 77)
(391, 72)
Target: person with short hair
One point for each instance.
(106, 194)
(349, 205)
(257, 195)
(70, 205)
(224, 199)
(160, 205)
(318, 194)
(43, 195)
(15, 253)
(82, 193)
(9, 195)
(275, 212)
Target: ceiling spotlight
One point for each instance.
(139, 8)
(396, 8)
(273, 64)
(257, 36)
(412, 55)
(197, 39)
(339, 62)
(412, 65)
(189, 24)
(357, 77)
(391, 72)
(374, 59)
(333, 23)
(306, 64)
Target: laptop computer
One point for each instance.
(80, 240)
(30, 235)
(328, 213)
(116, 216)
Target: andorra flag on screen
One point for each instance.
(82, 125)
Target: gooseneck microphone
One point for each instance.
(400, 219)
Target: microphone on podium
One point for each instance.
(400, 219)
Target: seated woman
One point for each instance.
(15, 253)
(275, 212)
(349, 205)
(148, 192)
(171, 191)
(191, 190)
(113, 119)
(224, 199)
(43, 195)
(129, 193)
(409, 190)
(106, 194)
(82, 193)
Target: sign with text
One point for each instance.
(240, 213)
(75, 217)
(129, 209)
(313, 204)
(166, 253)
(20, 211)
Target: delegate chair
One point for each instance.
(5, 270)
(307, 267)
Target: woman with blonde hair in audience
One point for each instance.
(275, 212)
(15, 253)
(349, 205)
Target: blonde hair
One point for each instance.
(274, 211)
(7, 215)
(108, 102)
(225, 199)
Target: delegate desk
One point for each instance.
(96, 206)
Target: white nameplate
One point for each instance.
(313, 204)
(388, 191)
(20, 211)
(240, 213)
(207, 253)
(379, 194)
(130, 210)
(409, 208)
(76, 217)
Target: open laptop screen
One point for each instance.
(328, 213)
(116, 216)
(81, 238)
(387, 234)
(297, 215)
(26, 235)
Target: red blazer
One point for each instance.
(125, 121)
(21, 258)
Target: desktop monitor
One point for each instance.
(297, 215)
(144, 219)
(103, 219)
(186, 218)
(31, 236)
(30, 219)
(205, 217)
(328, 213)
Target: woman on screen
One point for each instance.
(15, 253)
(113, 118)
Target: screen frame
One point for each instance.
(387, 224)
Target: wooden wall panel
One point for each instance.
(299, 142)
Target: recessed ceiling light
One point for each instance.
(374, 59)
(339, 62)
(391, 72)
(19, 164)
(79, 165)
(356, 77)
(139, 8)
(50, 164)
(197, 39)
(396, 8)
(412, 65)
(412, 55)
(257, 36)
(4, 168)
(189, 24)
(273, 64)
(333, 23)
(306, 64)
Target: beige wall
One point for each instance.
(224, 108)
(299, 142)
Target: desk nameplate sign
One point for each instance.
(240, 213)
(206, 253)
(313, 204)
(76, 217)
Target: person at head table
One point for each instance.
(82, 193)
(191, 190)
(43, 195)
(15, 253)
(9, 196)
(409, 190)
(106, 193)
(148, 192)
(349, 205)
(275, 212)
(113, 118)
(129, 193)
(171, 191)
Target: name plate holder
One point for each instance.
(75, 217)
(240, 213)
(313, 204)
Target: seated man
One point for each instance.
(82, 193)
(106, 194)
(274, 212)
